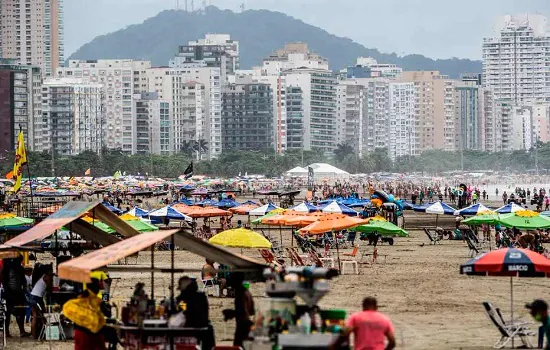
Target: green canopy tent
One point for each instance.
(10, 220)
(489, 219)
(384, 228)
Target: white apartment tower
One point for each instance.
(32, 33)
(402, 126)
(74, 117)
(516, 62)
(152, 124)
(121, 79)
(351, 99)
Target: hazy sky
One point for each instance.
(435, 28)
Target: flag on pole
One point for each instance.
(9, 175)
(188, 172)
(20, 160)
(88, 172)
(117, 175)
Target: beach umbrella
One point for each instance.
(305, 207)
(509, 208)
(137, 223)
(249, 202)
(524, 220)
(473, 209)
(99, 224)
(206, 212)
(264, 209)
(240, 238)
(382, 227)
(271, 213)
(227, 203)
(332, 222)
(337, 208)
(137, 211)
(489, 218)
(11, 220)
(508, 262)
(169, 213)
(358, 203)
(439, 208)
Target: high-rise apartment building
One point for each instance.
(402, 120)
(350, 97)
(153, 125)
(32, 33)
(295, 118)
(377, 110)
(318, 92)
(385, 70)
(492, 128)
(74, 116)
(215, 50)
(504, 110)
(470, 121)
(121, 79)
(247, 117)
(430, 108)
(293, 56)
(20, 93)
(516, 62)
(175, 86)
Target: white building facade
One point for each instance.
(402, 126)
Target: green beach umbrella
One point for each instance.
(142, 226)
(10, 220)
(524, 220)
(490, 219)
(384, 228)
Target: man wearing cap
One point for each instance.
(539, 310)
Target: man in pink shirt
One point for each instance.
(371, 328)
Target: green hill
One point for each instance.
(259, 33)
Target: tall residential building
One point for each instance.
(384, 70)
(73, 112)
(20, 93)
(189, 123)
(121, 79)
(541, 122)
(153, 126)
(247, 117)
(469, 123)
(32, 33)
(504, 113)
(450, 119)
(295, 118)
(522, 129)
(172, 85)
(516, 62)
(351, 100)
(430, 108)
(402, 127)
(377, 110)
(492, 127)
(215, 50)
(318, 89)
(293, 56)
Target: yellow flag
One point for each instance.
(88, 172)
(20, 160)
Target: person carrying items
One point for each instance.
(14, 282)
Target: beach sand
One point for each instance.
(419, 288)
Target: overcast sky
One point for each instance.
(435, 28)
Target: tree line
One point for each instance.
(233, 162)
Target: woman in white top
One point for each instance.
(37, 299)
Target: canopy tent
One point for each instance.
(355, 202)
(10, 220)
(279, 219)
(489, 218)
(112, 208)
(170, 213)
(335, 207)
(524, 220)
(305, 207)
(297, 171)
(382, 227)
(509, 208)
(100, 225)
(326, 171)
(264, 209)
(271, 213)
(227, 203)
(207, 212)
(240, 238)
(243, 209)
(137, 223)
(473, 209)
(332, 222)
(137, 211)
(438, 208)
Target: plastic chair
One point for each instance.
(50, 319)
(209, 284)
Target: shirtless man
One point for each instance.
(209, 273)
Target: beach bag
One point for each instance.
(85, 312)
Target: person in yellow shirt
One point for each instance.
(104, 283)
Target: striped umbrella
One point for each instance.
(509, 208)
(473, 209)
(264, 209)
(337, 208)
(170, 213)
(305, 207)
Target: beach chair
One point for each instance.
(52, 328)
(270, 258)
(315, 259)
(208, 284)
(510, 330)
(294, 257)
(474, 251)
(434, 237)
(350, 239)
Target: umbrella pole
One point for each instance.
(512, 304)
(436, 218)
(281, 235)
(337, 253)
(172, 250)
(153, 272)
(292, 237)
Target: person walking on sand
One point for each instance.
(371, 329)
(539, 310)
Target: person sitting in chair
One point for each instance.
(208, 274)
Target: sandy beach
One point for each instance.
(419, 287)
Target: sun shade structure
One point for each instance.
(304, 220)
(207, 212)
(438, 208)
(524, 220)
(335, 207)
(332, 222)
(271, 213)
(100, 225)
(490, 218)
(240, 238)
(473, 209)
(305, 207)
(243, 209)
(264, 209)
(509, 208)
(10, 220)
(382, 227)
(137, 223)
(170, 213)
(136, 211)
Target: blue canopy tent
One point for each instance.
(168, 213)
(227, 203)
(335, 207)
(305, 207)
(112, 208)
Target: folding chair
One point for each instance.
(205, 285)
(434, 238)
(508, 331)
(50, 319)
(471, 246)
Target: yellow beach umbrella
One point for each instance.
(240, 238)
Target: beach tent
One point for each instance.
(227, 203)
(490, 218)
(305, 207)
(298, 171)
(112, 208)
(355, 202)
(264, 209)
(524, 220)
(170, 213)
(473, 209)
(137, 211)
(332, 222)
(438, 208)
(327, 171)
(382, 227)
(335, 207)
(509, 208)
